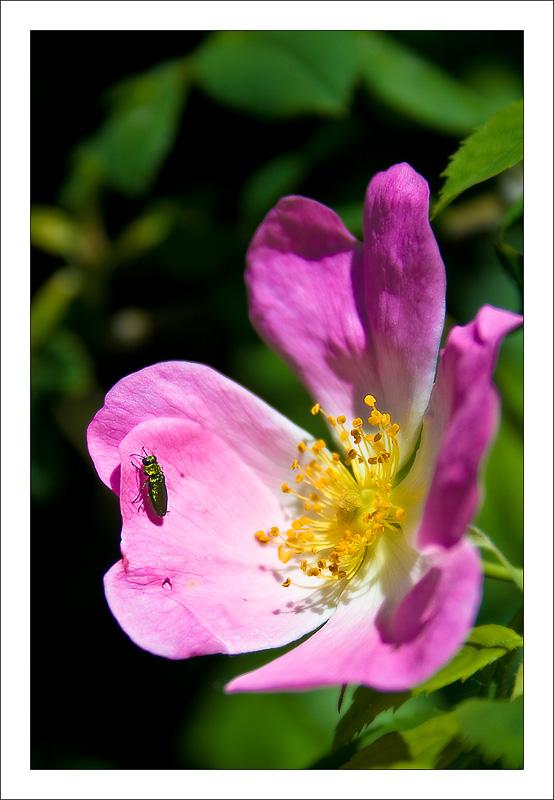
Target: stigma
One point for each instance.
(346, 498)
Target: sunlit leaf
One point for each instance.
(52, 301)
(419, 748)
(53, 230)
(279, 73)
(495, 146)
(417, 88)
(485, 644)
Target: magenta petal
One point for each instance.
(354, 319)
(197, 581)
(304, 272)
(404, 294)
(460, 424)
(261, 436)
(392, 647)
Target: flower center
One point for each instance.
(347, 499)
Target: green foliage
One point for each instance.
(141, 126)
(495, 727)
(490, 730)
(485, 644)
(494, 147)
(417, 88)
(366, 705)
(510, 254)
(275, 729)
(279, 73)
(418, 748)
(54, 231)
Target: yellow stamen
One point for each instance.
(348, 500)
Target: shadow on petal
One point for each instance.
(416, 610)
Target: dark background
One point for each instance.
(98, 701)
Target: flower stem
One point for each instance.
(503, 571)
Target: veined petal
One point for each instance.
(390, 645)
(259, 435)
(197, 581)
(460, 424)
(405, 286)
(354, 319)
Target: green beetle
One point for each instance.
(157, 491)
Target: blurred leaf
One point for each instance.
(427, 741)
(146, 232)
(53, 231)
(485, 644)
(52, 301)
(352, 215)
(509, 379)
(63, 367)
(495, 727)
(513, 214)
(417, 88)
(84, 179)
(501, 516)
(493, 80)
(261, 731)
(366, 705)
(279, 73)
(517, 690)
(275, 179)
(496, 146)
(510, 257)
(141, 128)
(512, 261)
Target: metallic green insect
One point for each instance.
(157, 491)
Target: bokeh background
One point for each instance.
(155, 155)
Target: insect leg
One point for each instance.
(141, 490)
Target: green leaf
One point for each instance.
(366, 705)
(417, 88)
(279, 73)
(51, 302)
(517, 691)
(278, 177)
(485, 644)
(54, 231)
(495, 636)
(495, 727)
(494, 147)
(146, 232)
(141, 128)
(419, 748)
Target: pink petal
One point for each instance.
(390, 648)
(460, 425)
(262, 437)
(404, 293)
(354, 319)
(197, 581)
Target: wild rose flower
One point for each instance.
(271, 534)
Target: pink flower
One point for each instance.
(271, 535)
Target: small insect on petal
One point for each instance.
(155, 479)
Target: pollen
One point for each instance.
(345, 500)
